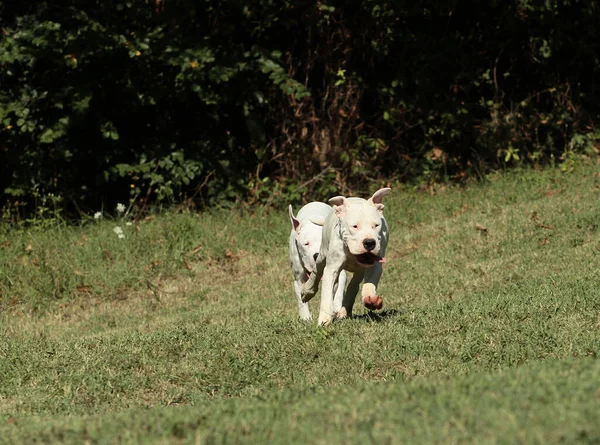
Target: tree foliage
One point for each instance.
(213, 101)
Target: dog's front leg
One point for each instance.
(330, 279)
(369, 295)
(303, 309)
(338, 298)
(350, 294)
(310, 288)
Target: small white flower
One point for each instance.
(119, 231)
(97, 215)
(128, 223)
(120, 207)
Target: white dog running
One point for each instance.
(354, 238)
(305, 242)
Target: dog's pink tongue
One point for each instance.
(382, 260)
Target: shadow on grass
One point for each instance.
(377, 316)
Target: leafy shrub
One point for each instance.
(209, 102)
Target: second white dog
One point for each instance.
(305, 243)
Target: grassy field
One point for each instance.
(184, 330)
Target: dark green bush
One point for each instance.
(213, 101)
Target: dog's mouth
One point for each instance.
(368, 259)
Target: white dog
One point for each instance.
(354, 238)
(305, 242)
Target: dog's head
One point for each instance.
(308, 240)
(362, 225)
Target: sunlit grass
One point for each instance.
(185, 328)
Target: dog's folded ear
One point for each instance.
(377, 197)
(295, 223)
(339, 205)
(318, 221)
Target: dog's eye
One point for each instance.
(355, 226)
(377, 225)
(307, 243)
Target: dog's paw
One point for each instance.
(305, 315)
(341, 314)
(373, 302)
(307, 294)
(324, 319)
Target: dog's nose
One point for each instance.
(315, 256)
(369, 243)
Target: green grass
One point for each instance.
(186, 331)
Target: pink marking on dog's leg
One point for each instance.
(373, 302)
